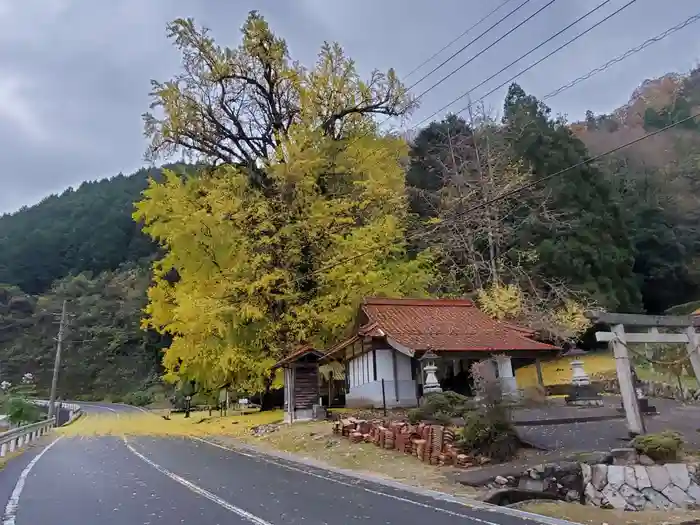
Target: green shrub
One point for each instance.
(138, 398)
(440, 407)
(489, 434)
(22, 412)
(665, 446)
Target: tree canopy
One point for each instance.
(301, 215)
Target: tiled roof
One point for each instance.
(297, 354)
(443, 325)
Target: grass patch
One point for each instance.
(596, 516)
(315, 440)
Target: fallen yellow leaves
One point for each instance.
(558, 371)
(312, 440)
(199, 424)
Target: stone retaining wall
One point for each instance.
(620, 480)
(638, 487)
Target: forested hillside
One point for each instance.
(308, 211)
(86, 229)
(657, 180)
(83, 246)
(105, 352)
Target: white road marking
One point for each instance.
(105, 407)
(139, 408)
(199, 490)
(357, 486)
(11, 508)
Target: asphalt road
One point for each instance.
(147, 481)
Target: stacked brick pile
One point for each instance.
(433, 444)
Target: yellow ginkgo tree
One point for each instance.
(297, 213)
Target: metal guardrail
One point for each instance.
(44, 403)
(74, 410)
(18, 437)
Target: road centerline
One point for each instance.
(196, 489)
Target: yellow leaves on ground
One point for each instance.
(558, 371)
(596, 365)
(153, 424)
(312, 440)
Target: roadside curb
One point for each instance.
(566, 420)
(265, 454)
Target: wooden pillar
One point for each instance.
(538, 367)
(292, 387)
(694, 352)
(395, 372)
(624, 377)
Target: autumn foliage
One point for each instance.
(301, 216)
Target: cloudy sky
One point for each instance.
(74, 74)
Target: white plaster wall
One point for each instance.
(370, 395)
(360, 370)
(364, 391)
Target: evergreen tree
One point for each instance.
(587, 243)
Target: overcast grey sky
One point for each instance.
(74, 74)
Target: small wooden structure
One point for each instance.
(301, 383)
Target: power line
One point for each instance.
(366, 134)
(464, 48)
(538, 62)
(584, 162)
(461, 35)
(624, 56)
(498, 40)
(544, 42)
(372, 250)
(513, 192)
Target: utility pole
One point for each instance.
(57, 362)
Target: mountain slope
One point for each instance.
(85, 229)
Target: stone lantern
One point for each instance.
(431, 383)
(582, 393)
(579, 377)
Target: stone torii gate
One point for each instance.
(684, 326)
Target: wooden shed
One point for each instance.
(301, 383)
